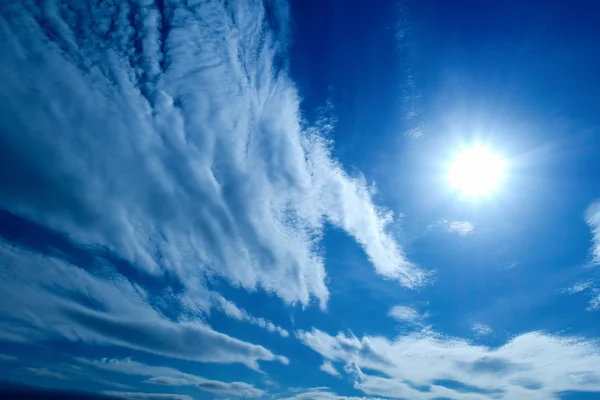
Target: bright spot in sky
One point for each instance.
(476, 171)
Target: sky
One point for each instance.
(304, 200)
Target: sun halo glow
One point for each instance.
(476, 171)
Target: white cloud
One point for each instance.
(463, 228)
(592, 218)
(166, 376)
(147, 396)
(233, 311)
(45, 372)
(579, 287)
(481, 329)
(184, 161)
(328, 367)
(5, 357)
(323, 394)
(533, 365)
(588, 286)
(595, 301)
(70, 303)
(512, 265)
(405, 314)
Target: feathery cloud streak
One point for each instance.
(170, 134)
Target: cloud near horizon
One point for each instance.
(534, 365)
(166, 376)
(169, 182)
(72, 304)
(147, 396)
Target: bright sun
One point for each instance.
(476, 171)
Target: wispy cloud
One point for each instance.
(592, 218)
(595, 301)
(233, 311)
(481, 330)
(463, 228)
(182, 161)
(166, 376)
(45, 372)
(579, 287)
(328, 367)
(147, 396)
(533, 365)
(590, 287)
(406, 314)
(5, 357)
(322, 394)
(72, 304)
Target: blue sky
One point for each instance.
(251, 200)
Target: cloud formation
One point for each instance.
(171, 135)
(233, 311)
(406, 314)
(481, 329)
(462, 228)
(147, 396)
(166, 376)
(328, 368)
(45, 372)
(533, 365)
(5, 357)
(69, 303)
(595, 301)
(592, 218)
(323, 394)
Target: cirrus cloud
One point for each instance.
(181, 161)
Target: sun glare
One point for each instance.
(476, 171)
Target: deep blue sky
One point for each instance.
(251, 200)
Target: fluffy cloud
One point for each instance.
(328, 367)
(170, 134)
(533, 365)
(70, 303)
(463, 228)
(171, 377)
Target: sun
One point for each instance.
(476, 171)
